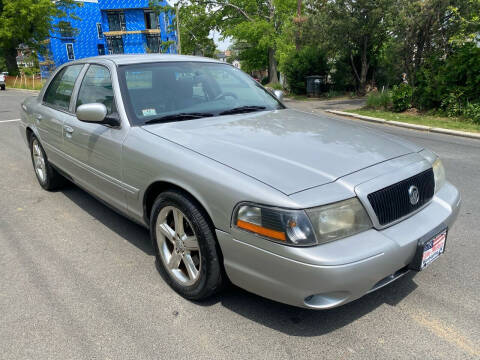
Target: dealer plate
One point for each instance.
(433, 248)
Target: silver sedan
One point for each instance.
(295, 207)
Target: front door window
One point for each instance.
(97, 88)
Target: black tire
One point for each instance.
(211, 277)
(53, 180)
(2, 87)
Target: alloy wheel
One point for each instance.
(39, 161)
(178, 246)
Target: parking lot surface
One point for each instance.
(78, 281)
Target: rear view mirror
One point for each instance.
(94, 112)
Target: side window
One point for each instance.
(60, 89)
(97, 88)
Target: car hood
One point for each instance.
(287, 149)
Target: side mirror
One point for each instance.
(278, 94)
(94, 112)
(97, 113)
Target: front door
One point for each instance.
(96, 149)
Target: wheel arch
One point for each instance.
(157, 187)
(31, 131)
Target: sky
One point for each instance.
(222, 45)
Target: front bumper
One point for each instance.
(336, 273)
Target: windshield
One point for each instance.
(171, 91)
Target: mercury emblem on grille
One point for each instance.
(413, 195)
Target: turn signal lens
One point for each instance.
(261, 230)
(287, 226)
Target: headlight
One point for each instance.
(290, 227)
(304, 227)
(438, 174)
(339, 220)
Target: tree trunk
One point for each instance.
(364, 68)
(272, 67)
(10, 54)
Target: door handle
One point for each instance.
(68, 131)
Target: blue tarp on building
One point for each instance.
(109, 27)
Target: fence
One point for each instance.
(31, 82)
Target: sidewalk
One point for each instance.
(313, 104)
(407, 125)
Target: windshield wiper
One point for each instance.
(178, 117)
(243, 109)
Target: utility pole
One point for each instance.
(177, 18)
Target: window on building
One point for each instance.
(97, 88)
(60, 89)
(115, 44)
(101, 49)
(153, 43)
(99, 31)
(70, 53)
(151, 20)
(116, 21)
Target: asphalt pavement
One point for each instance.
(78, 281)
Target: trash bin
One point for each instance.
(315, 84)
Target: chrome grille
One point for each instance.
(393, 202)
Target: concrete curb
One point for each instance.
(407, 125)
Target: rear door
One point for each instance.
(96, 149)
(54, 110)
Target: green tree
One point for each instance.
(29, 22)
(307, 61)
(256, 25)
(195, 26)
(356, 29)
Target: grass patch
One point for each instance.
(422, 119)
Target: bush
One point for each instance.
(472, 112)
(402, 97)
(376, 100)
(447, 82)
(452, 104)
(274, 86)
(333, 93)
(264, 81)
(341, 75)
(308, 61)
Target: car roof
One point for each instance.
(146, 58)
